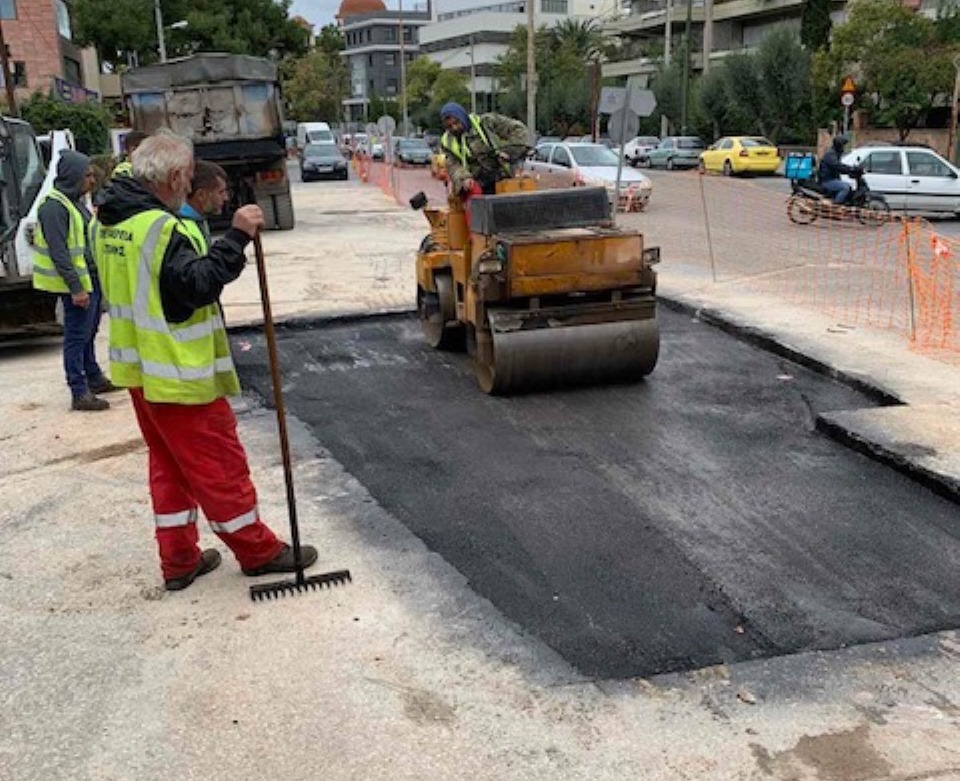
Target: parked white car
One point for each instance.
(636, 148)
(576, 164)
(911, 178)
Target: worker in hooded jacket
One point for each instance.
(63, 263)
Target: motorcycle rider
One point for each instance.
(831, 169)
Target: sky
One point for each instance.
(321, 12)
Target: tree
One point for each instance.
(429, 86)
(316, 86)
(126, 29)
(815, 24)
(900, 59)
(783, 66)
(712, 101)
(667, 88)
(90, 122)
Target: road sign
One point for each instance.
(371, 129)
(612, 99)
(846, 99)
(386, 125)
(622, 128)
(848, 85)
(643, 102)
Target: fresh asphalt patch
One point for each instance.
(694, 518)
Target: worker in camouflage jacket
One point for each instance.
(467, 142)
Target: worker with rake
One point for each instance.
(168, 345)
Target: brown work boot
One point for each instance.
(89, 403)
(283, 561)
(209, 561)
(103, 385)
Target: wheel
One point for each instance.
(670, 165)
(875, 211)
(436, 311)
(283, 210)
(727, 168)
(801, 211)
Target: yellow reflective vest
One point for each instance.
(45, 274)
(176, 363)
(458, 148)
(122, 169)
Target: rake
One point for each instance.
(301, 582)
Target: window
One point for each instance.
(63, 20)
(391, 86)
(725, 143)
(926, 164)
(883, 163)
(71, 71)
(19, 74)
(391, 35)
(389, 59)
(370, 60)
(8, 9)
(561, 157)
(542, 154)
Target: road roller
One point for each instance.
(539, 286)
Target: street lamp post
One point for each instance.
(161, 43)
(473, 80)
(531, 72)
(403, 74)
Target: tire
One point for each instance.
(874, 212)
(670, 166)
(283, 211)
(727, 168)
(802, 211)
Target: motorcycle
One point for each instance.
(810, 200)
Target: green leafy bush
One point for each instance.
(90, 122)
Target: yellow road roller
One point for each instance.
(543, 289)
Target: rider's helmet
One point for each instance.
(839, 142)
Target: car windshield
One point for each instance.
(593, 154)
(321, 150)
(747, 143)
(648, 141)
(414, 144)
(690, 143)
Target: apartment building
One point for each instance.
(376, 40)
(42, 54)
(718, 28)
(472, 39)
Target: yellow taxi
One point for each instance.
(438, 165)
(741, 154)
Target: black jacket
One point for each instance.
(187, 281)
(831, 168)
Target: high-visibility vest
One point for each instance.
(458, 147)
(179, 363)
(45, 274)
(122, 169)
(194, 231)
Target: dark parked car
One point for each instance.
(322, 161)
(412, 151)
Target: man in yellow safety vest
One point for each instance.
(168, 345)
(468, 137)
(63, 264)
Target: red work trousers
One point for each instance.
(196, 459)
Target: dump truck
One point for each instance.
(541, 287)
(229, 106)
(24, 180)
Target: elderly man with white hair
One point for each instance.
(168, 345)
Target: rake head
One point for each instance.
(282, 588)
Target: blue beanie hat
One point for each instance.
(457, 111)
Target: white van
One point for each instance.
(313, 133)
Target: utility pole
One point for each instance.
(685, 86)
(473, 80)
(161, 43)
(531, 73)
(403, 76)
(954, 110)
(667, 34)
(707, 33)
(7, 76)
